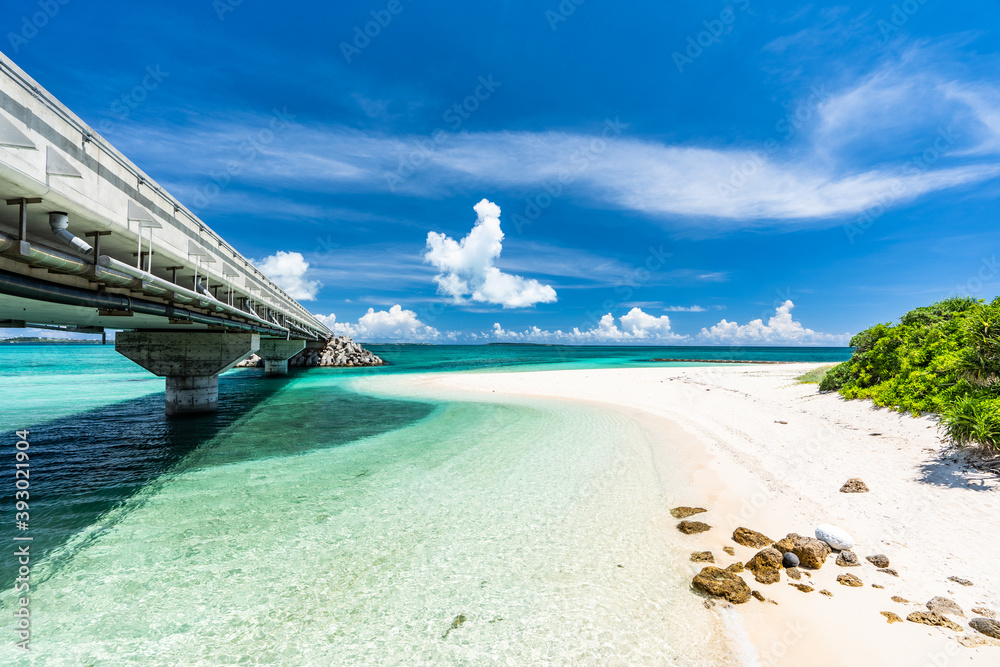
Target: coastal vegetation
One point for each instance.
(943, 359)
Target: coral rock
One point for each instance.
(848, 558)
(810, 551)
(685, 512)
(719, 583)
(766, 566)
(930, 618)
(850, 580)
(941, 605)
(891, 617)
(854, 485)
(692, 527)
(751, 538)
(702, 557)
(878, 560)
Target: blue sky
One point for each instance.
(687, 168)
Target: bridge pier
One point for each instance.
(276, 353)
(190, 362)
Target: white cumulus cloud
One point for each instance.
(288, 271)
(467, 268)
(393, 325)
(635, 326)
(780, 329)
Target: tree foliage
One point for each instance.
(943, 358)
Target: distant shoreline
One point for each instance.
(724, 361)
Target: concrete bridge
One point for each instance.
(89, 242)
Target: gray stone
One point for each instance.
(986, 626)
(944, 606)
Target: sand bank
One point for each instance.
(763, 451)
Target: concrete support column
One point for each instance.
(192, 393)
(276, 353)
(190, 362)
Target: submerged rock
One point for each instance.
(983, 611)
(889, 570)
(878, 560)
(837, 538)
(896, 598)
(459, 620)
(930, 618)
(805, 588)
(942, 605)
(766, 566)
(960, 580)
(986, 626)
(854, 485)
(693, 527)
(891, 617)
(751, 538)
(729, 550)
(828, 594)
(848, 579)
(848, 558)
(720, 583)
(684, 512)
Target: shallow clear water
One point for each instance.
(312, 521)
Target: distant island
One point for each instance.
(32, 340)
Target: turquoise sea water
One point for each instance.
(312, 521)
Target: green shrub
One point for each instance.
(943, 358)
(973, 419)
(835, 378)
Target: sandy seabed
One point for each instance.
(763, 451)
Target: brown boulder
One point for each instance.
(692, 527)
(685, 512)
(854, 485)
(891, 617)
(878, 560)
(848, 558)
(805, 588)
(702, 557)
(811, 552)
(850, 580)
(826, 593)
(751, 538)
(986, 626)
(896, 598)
(719, 583)
(766, 566)
(729, 550)
(736, 567)
(930, 618)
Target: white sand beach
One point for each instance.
(763, 451)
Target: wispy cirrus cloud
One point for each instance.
(858, 144)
